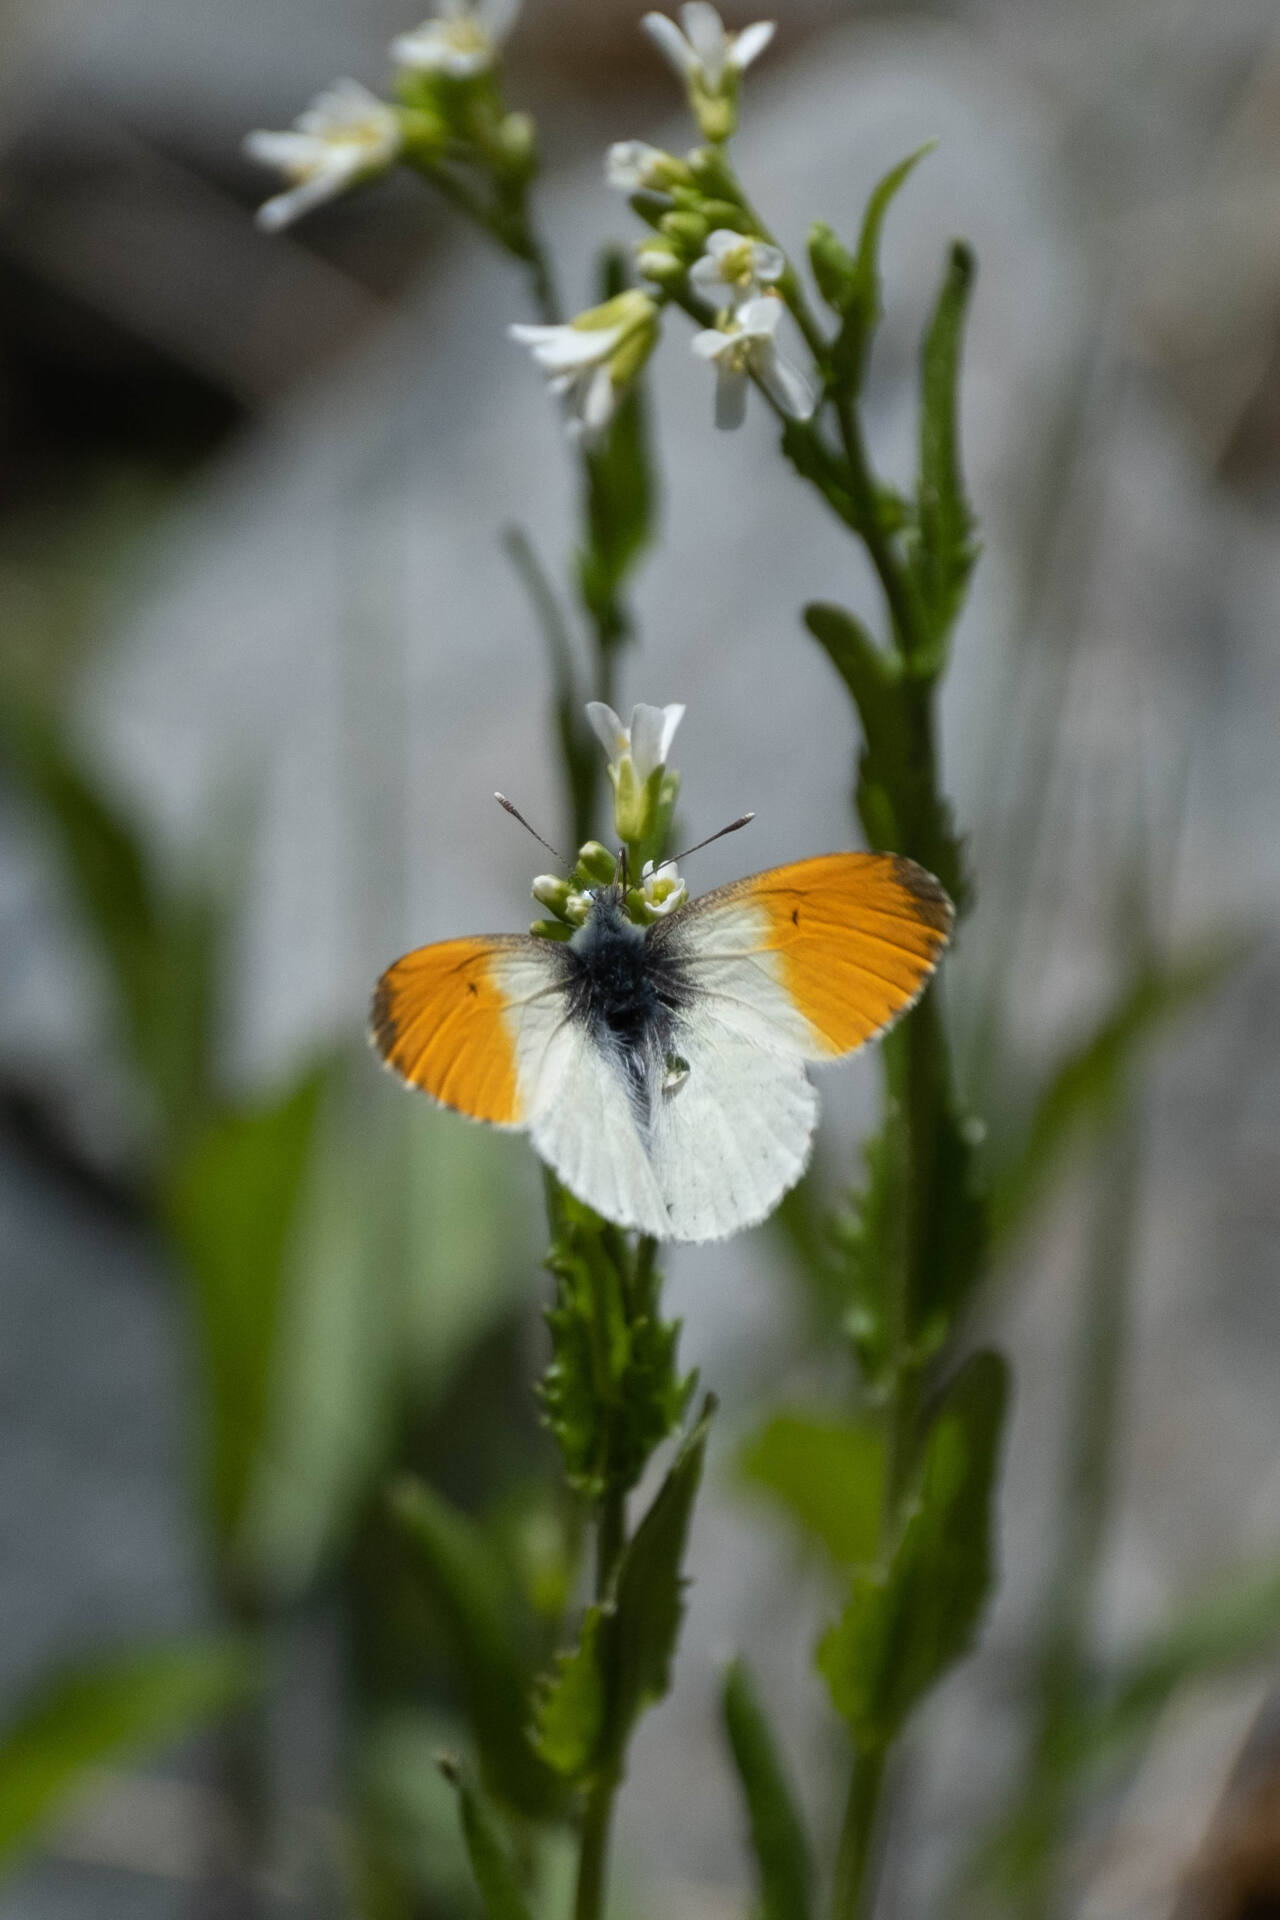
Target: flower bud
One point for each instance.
(596, 866)
(550, 930)
(688, 230)
(553, 893)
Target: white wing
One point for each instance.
(583, 1125)
(733, 1135)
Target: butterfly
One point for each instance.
(660, 1070)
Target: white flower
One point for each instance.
(704, 54)
(662, 890)
(646, 742)
(633, 166)
(346, 135)
(734, 269)
(462, 41)
(590, 361)
(746, 347)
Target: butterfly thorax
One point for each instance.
(627, 989)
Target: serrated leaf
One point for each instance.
(487, 1850)
(569, 1713)
(907, 1623)
(944, 551)
(612, 1392)
(869, 1235)
(649, 1595)
(778, 1838)
(828, 1476)
(479, 1608)
(1081, 1090)
(232, 1203)
(118, 1706)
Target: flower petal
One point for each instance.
(609, 730)
(706, 35)
(751, 43)
(785, 385)
(769, 262)
(560, 348)
(712, 343)
(731, 397)
(722, 240)
(652, 731)
(704, 278)
(671, 43)
(760, 317)
(598, 401)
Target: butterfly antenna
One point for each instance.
(516, 814)
(733, 827)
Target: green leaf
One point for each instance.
(477, 1602)
(649, 1596)
(160, 951)
(827, 1474)
(850, 284)
(944, 552)
(906, 1623)
(107, 1710)
(612, 1391)
(232, 1203)
(569, 1714)
(486, 1849)
(869, 1235)
(778, 1838)
(1082, 1090)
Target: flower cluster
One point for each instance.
(694, 254)
(591, 361)
(444, 85)
(644, 797)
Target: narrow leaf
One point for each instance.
(479, 1608)
(778, 1837)
(945, 550)
(486, 1849)
(649, 1599)
(907, 1623)
(233, 1205)
(827, 1475)
(107, 1710)
(863, 302)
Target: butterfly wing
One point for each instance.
(484, 1026)
(814, 959)
(469, 1022)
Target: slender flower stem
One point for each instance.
(854, 1891)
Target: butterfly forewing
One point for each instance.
(463, 1020)
(816, 958)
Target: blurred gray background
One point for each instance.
(253, 491)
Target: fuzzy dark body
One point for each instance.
(629, 991)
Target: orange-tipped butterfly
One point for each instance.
(659, 1070)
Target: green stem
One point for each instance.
(889, 571)
(592, 1865)
(853, 1893)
